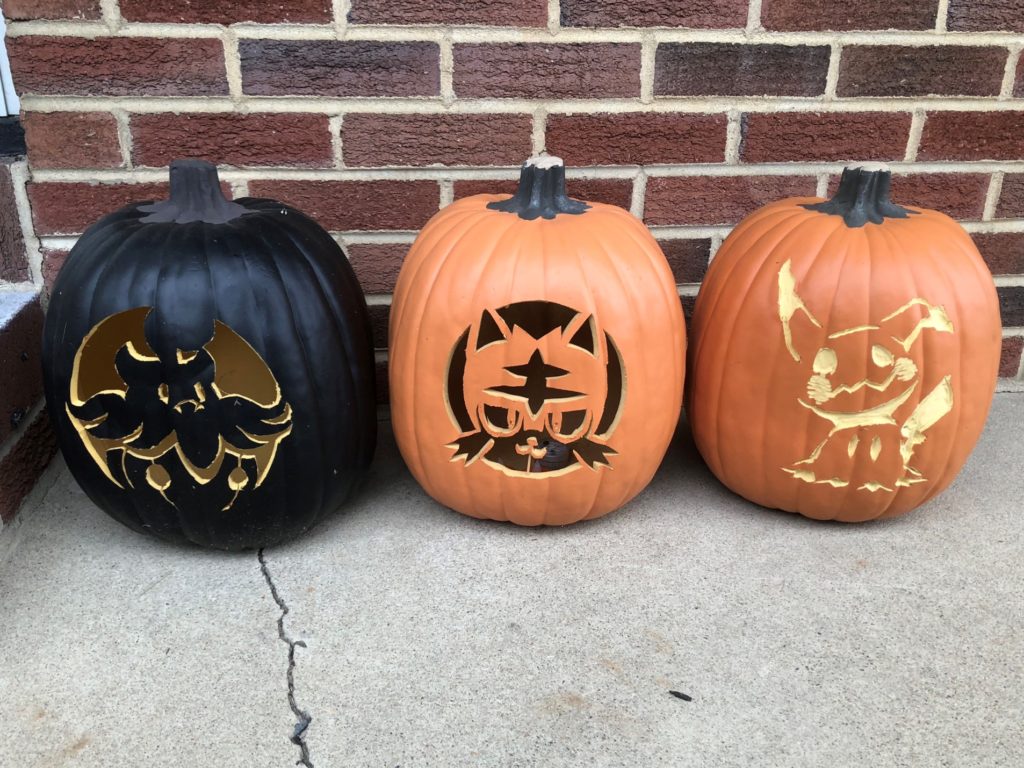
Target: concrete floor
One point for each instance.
(423, 638)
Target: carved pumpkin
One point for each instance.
(844, 354)
(537, 354)
(208, 367)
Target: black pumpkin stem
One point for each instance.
(862, 197)
(195, 196)
(541, 192)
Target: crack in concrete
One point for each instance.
(303, 718)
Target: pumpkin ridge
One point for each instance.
(716, 264)
(842, 258)
(795, 222)
(439, 262)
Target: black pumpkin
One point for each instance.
(209, 368)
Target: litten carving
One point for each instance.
(548, 415)
(874, 428)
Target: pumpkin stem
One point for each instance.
(863, 196)
(195, 196)
(541, 191)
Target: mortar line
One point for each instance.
(917, 121)
(716, 243)
(995, 189)
(446, 62)
(437, 105)
(538, 134)
(648, 67)
(335, 124)
(942, 16)
(447, 192)
(420, 173)
(832, 76)
(124, 136)
(821, 189)
(239, 189)
(638, 198)
(469, 33)
(232, 64)
(110, 14)
(33, 254)
(303, 718)
(733, 137)
(554, 16)
(754, 17)
(1010, 73)
(339, 17)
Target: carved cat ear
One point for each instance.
(489, 331)
(584, 338)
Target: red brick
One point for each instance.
(985, 15)
(21, 371)
(710, 200)
(832, 136)
(1011, 305)
(611, 191)
(377, 264)
(60, 208)
(523, 13)
(547, 71)
(292, 139)
(339, 68)
(722, 14)
(1011, 198)
(24, 463)
(1009, 360)
(228, 11)
(972, 136)
(452, 139)
(13, 260)
(1002, 251)
(728, 69)
(357, 205)
(960, 195)
(118, 66)
(72, 140)
(687, 258)
(379, 317)
(799, 15)
(921, 70)
(53, 261)
(637, 138)
(23, 10)
(1018, 87)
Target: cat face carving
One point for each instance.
(535, 389)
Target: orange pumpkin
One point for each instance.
(537, 354)
(844, 354)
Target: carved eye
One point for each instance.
(499, 420)
(571, 424)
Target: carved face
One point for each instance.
(868, 414)
(536, 390)
(208, 415)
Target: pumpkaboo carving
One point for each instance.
(208, 367)
(199, 407)
(551, 412)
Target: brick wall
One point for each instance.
(372, 114)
